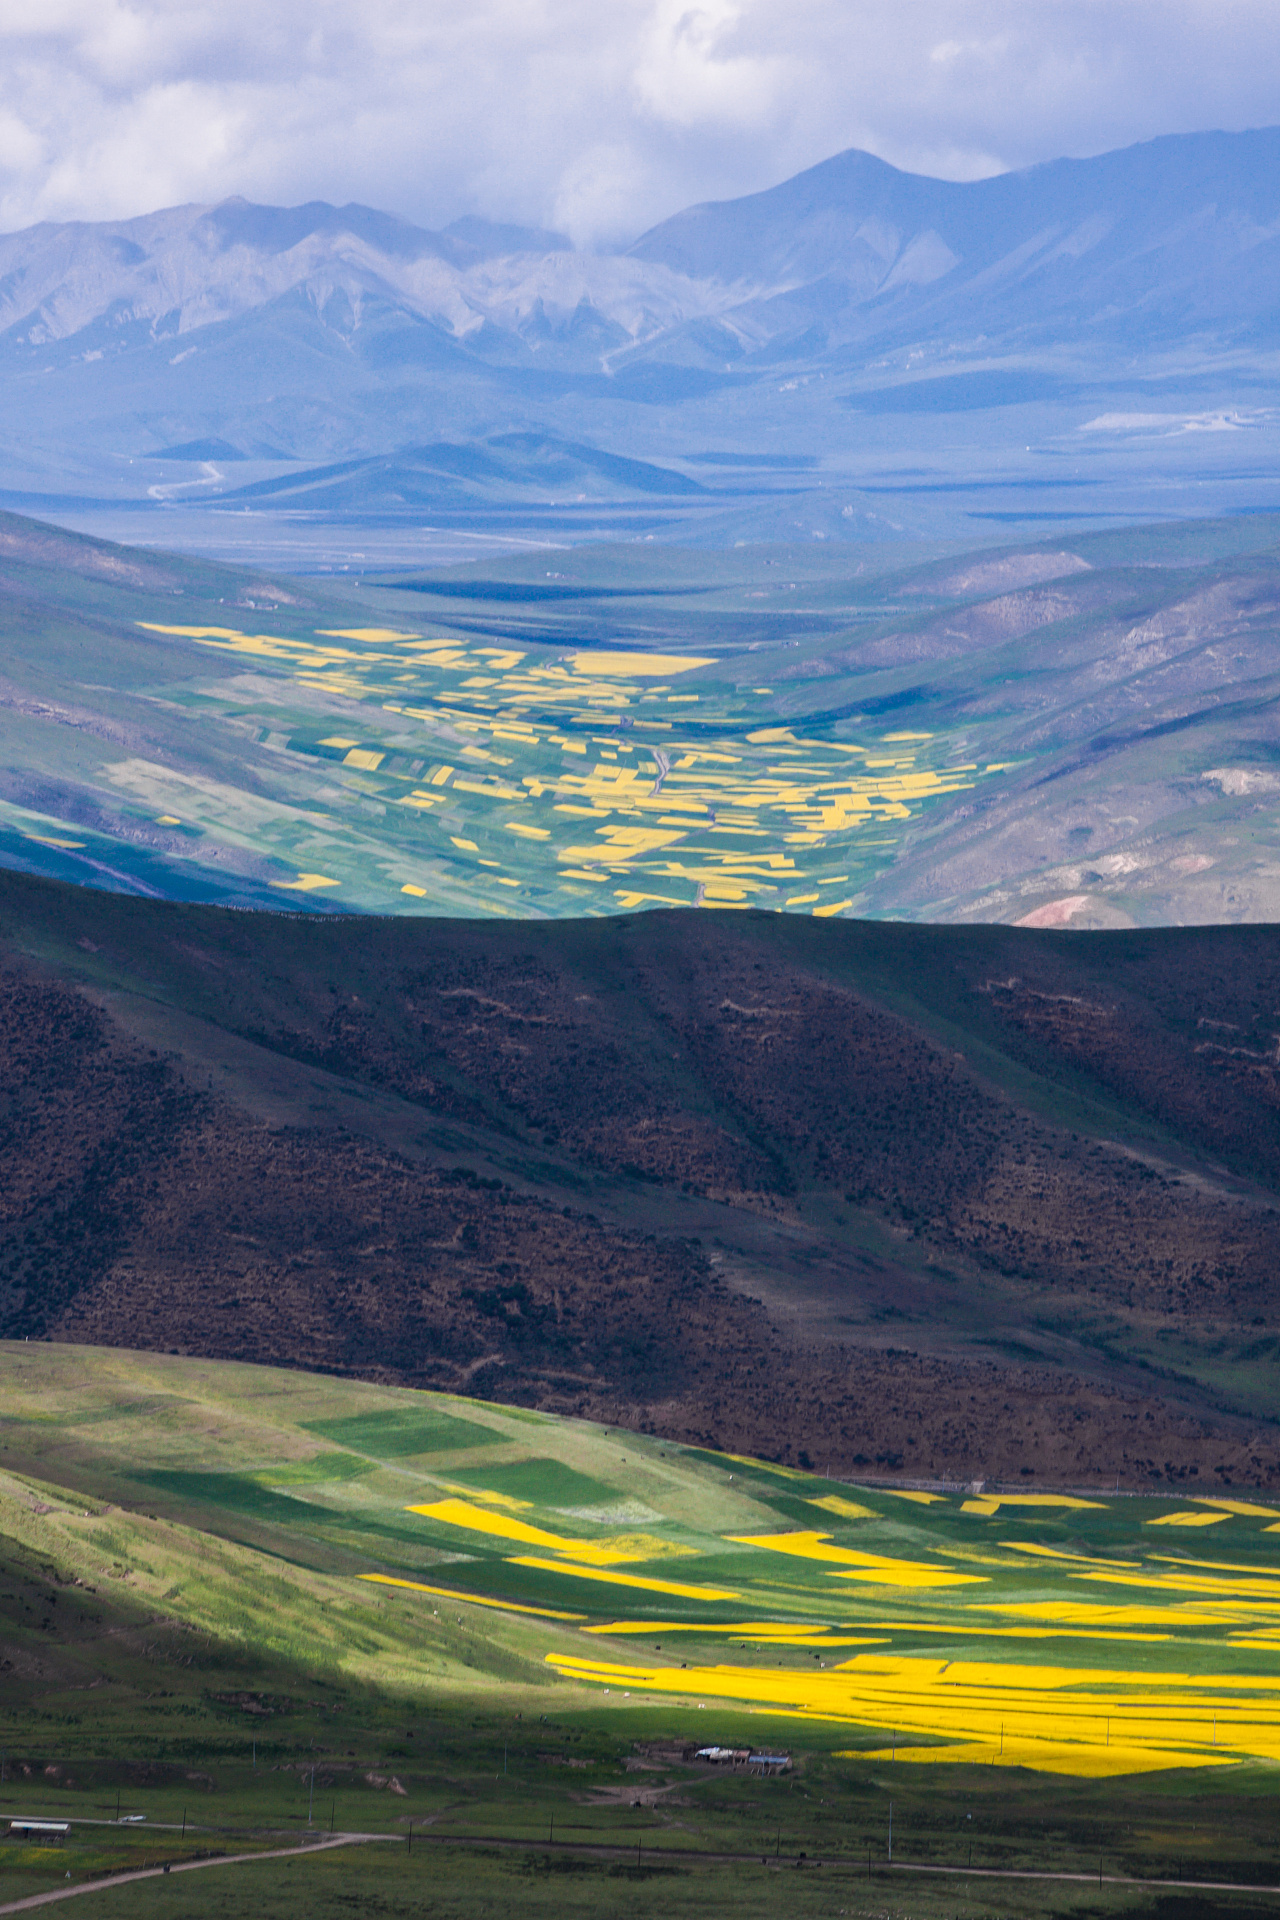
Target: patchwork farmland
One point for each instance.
(495, 772)
(502, 1639)
(1068, 1633)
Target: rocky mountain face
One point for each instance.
(316, 332)
(1176, 235)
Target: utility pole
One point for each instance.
(184, 1824)
(891, 1833)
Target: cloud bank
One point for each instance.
(596, 119)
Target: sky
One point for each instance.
(597, 117)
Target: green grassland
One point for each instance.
(191, 1629)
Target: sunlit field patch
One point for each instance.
(1196, 1518)
(861, 1566)
(601, 1553)
(847, 1509)
(991, 1503)
(1048, 1717)
(641, 1583)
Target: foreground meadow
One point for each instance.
(304, 1605)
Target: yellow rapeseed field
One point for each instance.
(1106, 1645)
(726, 814)
(612, 1551)
(874, 1567)
(1049, 1717)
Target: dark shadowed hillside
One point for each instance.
(955, 1201)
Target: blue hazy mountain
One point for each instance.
(1176, 238)
(836, 316)
(506, 466)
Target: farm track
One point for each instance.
(846, 1864)
(110, 1881)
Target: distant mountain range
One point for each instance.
(1145, 280)
(1178, 236)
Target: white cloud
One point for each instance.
(694, 73)
(602, 117)
(595, 191)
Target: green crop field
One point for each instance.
(240, 1600)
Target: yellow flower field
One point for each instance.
(611, 1551)
(864, 1566)
(1048, 1717)
(1062, 1633)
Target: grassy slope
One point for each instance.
(156, 1633)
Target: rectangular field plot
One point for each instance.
(396, 1433)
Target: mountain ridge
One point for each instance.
(317, 333)
(871, 223)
